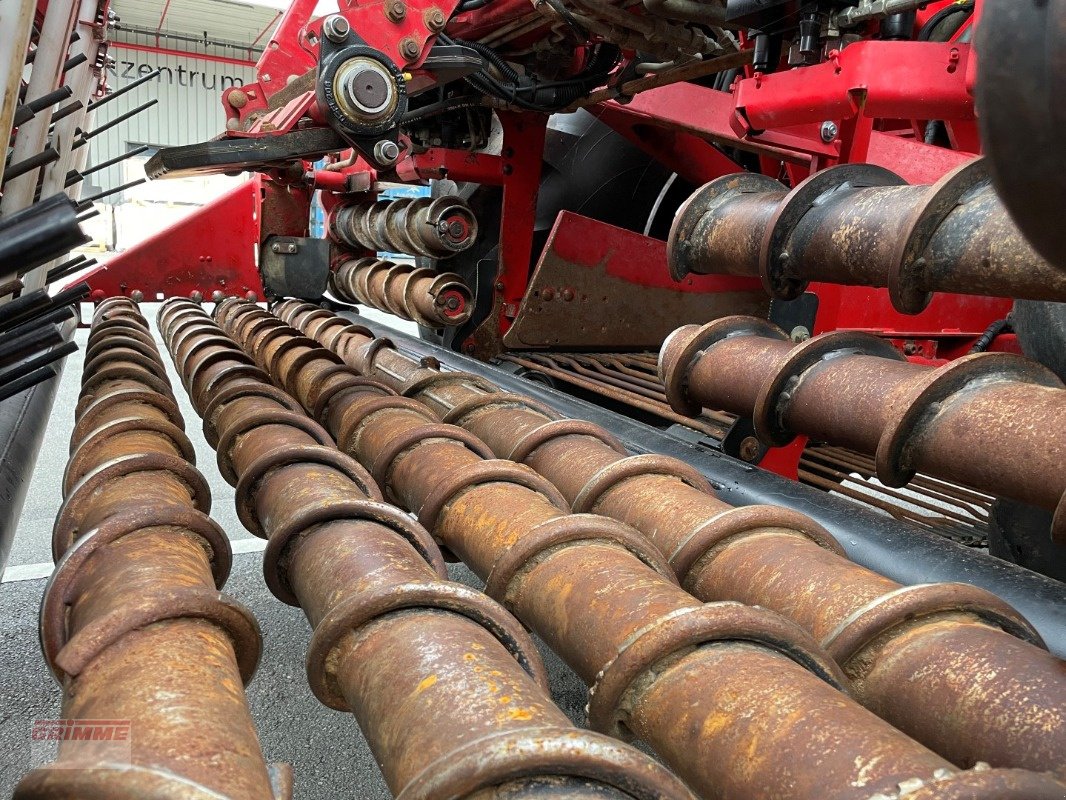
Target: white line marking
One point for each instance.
(35, 572)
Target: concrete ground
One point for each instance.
(325, 748)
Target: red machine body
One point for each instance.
(869, 102)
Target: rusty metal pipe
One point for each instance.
(862, 225)
(132, 623)
(446, 685)
(547, 566)
(416, 294)
(856, 390)
(855, 612)
(433, 228)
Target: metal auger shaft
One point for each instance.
(770, 557)
(600, 595)
(132, 622)
(417, 294)
(446, 685)
(861, 225)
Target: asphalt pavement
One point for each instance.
(326, 749)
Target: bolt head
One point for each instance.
(396, 10)
(217, 296)
(749, 449)
(137, 296)
(829, 131)
(568, 294)
(196, 296)
(386, 152)
(251, 296)
(800, 334)
(409, 48)
(336, 28)
(548, 294)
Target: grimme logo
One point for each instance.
(80, 730)
(79, 743)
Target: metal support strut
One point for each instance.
(883, 634)
(447, 687)
(862, 225)
(551, 589)
(132, 622)
(417, 294)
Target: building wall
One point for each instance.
(189, 109)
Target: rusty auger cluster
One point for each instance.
(447, 686)
(992, 421)
(420, 226)
(132, 622)
(740, 702)
(417, 294)
(950, 664)
(862, 225)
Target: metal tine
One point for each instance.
(27, 111)
(110, 162)
(87, 135)
(95, 104)
(14, 348)
(66, 110)
(88, 201)
(27, 381)
(53, 317)
(45, 157)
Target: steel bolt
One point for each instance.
(568, 294)
(409, 48)
(137, 296)
(800, 334)
(434, 19)
(251, 296)
(336, 28)
(548, 294)
(749, 449)
(396, 10)
(829, 131)
(910, 348)
(196, 296)
(499, 286)
(217, 296)
(386, 152)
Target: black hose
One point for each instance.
(927, 31)
(989, 336)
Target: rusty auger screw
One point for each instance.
(446, 685)
(862, 225)
(416, 294)
(132, 622)
(718, 690)
(950, 664)
(857, 390)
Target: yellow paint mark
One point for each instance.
(426, 683)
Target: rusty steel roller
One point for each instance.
(858, 391)
(446, 685)
(950, 664)
(737, 713)
(417, 294)
(862, 225)
(132, 622)
(420, 226)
